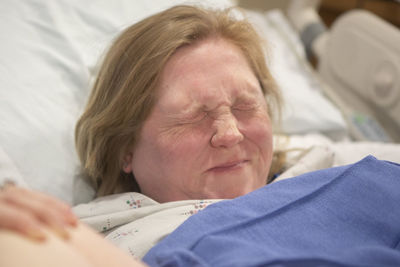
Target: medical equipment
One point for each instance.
(361, 63)
(359, 60)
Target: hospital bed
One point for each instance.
(50, 52)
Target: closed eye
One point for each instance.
(245, 107)
(194, 118)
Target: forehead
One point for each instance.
(205, 53)
(206, 69)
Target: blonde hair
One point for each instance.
(124, 91)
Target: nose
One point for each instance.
(226, 132)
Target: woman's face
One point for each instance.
(209, 133)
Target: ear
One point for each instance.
(127, 163)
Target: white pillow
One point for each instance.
(43, 88)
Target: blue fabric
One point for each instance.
(343, 216)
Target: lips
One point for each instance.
(228, 166)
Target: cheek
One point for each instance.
(258, 130)
(259, 133)
(163, 158)
(176, 144)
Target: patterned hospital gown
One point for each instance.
(134, 222)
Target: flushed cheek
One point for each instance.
(258, 130)
(181, 149)
(259, 134)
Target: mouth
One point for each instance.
(229, 166)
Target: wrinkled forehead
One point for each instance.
(206, 67)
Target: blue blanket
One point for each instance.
(343, 216)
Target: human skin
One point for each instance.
(209, 134)
(83, 248)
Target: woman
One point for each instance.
(180, 110)
(139, 100)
